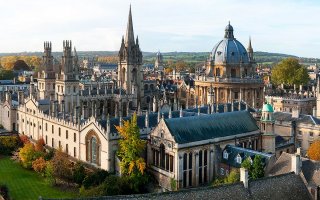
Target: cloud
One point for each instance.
(275, 26)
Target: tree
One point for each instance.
(78, 173)
(27, 155)
(181, 65)
(233, 177)
(24, 139)
(314, 150)
(289, 72)
(61, 165)
(39, 165)
(131, 148)
(132, 165)
(257, 168)
(39, 145)
(49, 173)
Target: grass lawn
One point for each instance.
(26, 184)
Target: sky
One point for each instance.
(290, 27)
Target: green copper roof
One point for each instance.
(267, 108)
(204, 127)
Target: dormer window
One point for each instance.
(239, 159)
(219, 53)
(225, 154)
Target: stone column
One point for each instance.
(253, 98)
(196, 154)
(240, 95)
(230, 95)
(218, 95)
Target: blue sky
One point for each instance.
(284, 26)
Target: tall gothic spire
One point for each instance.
(129, 39)
(250, 46)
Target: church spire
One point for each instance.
(129, 39)
(250, 50)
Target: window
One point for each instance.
(67, 149)
(8, 114)
(171, 163)
(52, 128)
(187, 169)
(52, 142)
(46, 127)
(59, 131)
(66, 134)
(311, 134)
(74, 152)
(221, 171)
(225, 154)
(162, 156)
(93, 150)
(46, 139)
(59, 143)
(239, 159)
(74, 137)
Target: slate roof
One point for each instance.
(310, 168)
(204, 127)
(233, 152)
(284, 187)
(305, 119)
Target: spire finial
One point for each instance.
(129, 34)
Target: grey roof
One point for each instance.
(310, 168)
(234, 151)
(284, 187)
(305, 119)
(204, 127)
(229, 50)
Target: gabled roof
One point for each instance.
(305, 119)
(204, 127)
(234, 151)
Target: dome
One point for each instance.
(267, 108)
(229, 50)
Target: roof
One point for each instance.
(204, 127)
(284, 187)
(310, 168)
(267, 108)
(305, 119)
(234, 151)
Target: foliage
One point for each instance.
(314, 150)
(78, 173)
(131, 148)
(61, 165)
(233, 177)
(39, 145)
(49, 155)
(39, 165)
(289, 72)
(49, 173)
(8, 62)
(4, 191)
(181, 65)
(173, 184)
(21, 65)
(8, 144)
(257, 168)
(1, 126)
(27, 184)
(108, 59)
(24, 139)
(247, 165)
(6, 74)
(27, 155)
(95, 178)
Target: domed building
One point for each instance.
(230, 74)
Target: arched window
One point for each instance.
(93, 150)
(162, 156)
(146, 87)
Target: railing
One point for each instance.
(232, 80)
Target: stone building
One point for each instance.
(230, 74)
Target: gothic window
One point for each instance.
(123, 75)
(59, 131)
(134, 75)
(218, 72)
(146, 87)
(52, 128)
(187, 170)
(74, 137)
(225, 154)
(162, 156)
(66, 134)
(93, 150)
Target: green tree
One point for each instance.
(233, 177)
(131, 148)
(247, 164)
(257, 168)
(78, 173)
(289, 72)
(132, 165)
(49, 173)
(27, 155)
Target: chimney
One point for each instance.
(295, 113)
(244, 177)
(295, 164)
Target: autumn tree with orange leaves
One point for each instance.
(131, 148)
(314, 150)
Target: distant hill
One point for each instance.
(191, 57)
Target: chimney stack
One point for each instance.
(244, 177)
(295, 164)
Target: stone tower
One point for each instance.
(46, 78)
(67, 81)
(158, 65)
(267, 129)
(130, 74)
(250, 51)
